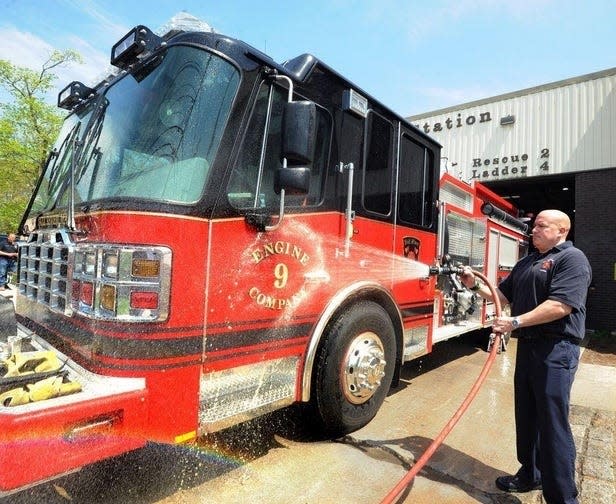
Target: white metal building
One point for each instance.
(550, 146)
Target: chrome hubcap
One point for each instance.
(363, 368)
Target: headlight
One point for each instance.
(130, 284)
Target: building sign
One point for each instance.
(457, 122)
(514, 165)
(560, 127)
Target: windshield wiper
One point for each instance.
(55, 160)
(82, 149)
(60, 156)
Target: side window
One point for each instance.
(246, 187)
(415, 183)
(318, 172)
(252, 180)
(377, 181)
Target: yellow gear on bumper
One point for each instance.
(23, 365)
(53, 386)
(31, 362)
(15, 397)
(47, 388)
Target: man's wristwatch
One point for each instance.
(515, 323)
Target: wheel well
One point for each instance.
(364, 291)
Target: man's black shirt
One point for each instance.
(561, 274)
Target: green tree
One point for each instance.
(28, 127)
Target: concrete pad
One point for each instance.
(480, 447)
(595, 387)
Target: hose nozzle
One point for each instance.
(446, 267)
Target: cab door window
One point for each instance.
(252, 180)
(415, 183)
(378, 167)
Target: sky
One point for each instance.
(413, 56)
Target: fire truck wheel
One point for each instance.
(354, 368)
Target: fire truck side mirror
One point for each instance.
(299, 131)
(294, 180)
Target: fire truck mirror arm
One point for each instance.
(263, 221)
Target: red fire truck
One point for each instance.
(215, 236)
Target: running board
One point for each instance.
(238, 394)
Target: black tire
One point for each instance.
(362, 338)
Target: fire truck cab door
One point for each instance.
(258, 263)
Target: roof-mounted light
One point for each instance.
(137, 41)
(74, 94)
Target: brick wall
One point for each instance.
(595, 234)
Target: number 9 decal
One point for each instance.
(281, 272)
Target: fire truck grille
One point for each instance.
(43, 270)
(239, 394)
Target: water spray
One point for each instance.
(495, 347)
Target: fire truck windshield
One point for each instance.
(152, 136)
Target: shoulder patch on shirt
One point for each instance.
(547, 265)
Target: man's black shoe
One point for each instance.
(515, 484)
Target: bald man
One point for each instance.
(547, 293)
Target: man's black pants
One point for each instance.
(544, 374)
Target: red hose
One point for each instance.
(418, 466)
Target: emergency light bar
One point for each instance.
(74, 94)
(139, 40)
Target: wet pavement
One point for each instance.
(364, 466)
(481, 447)
(266, 461)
